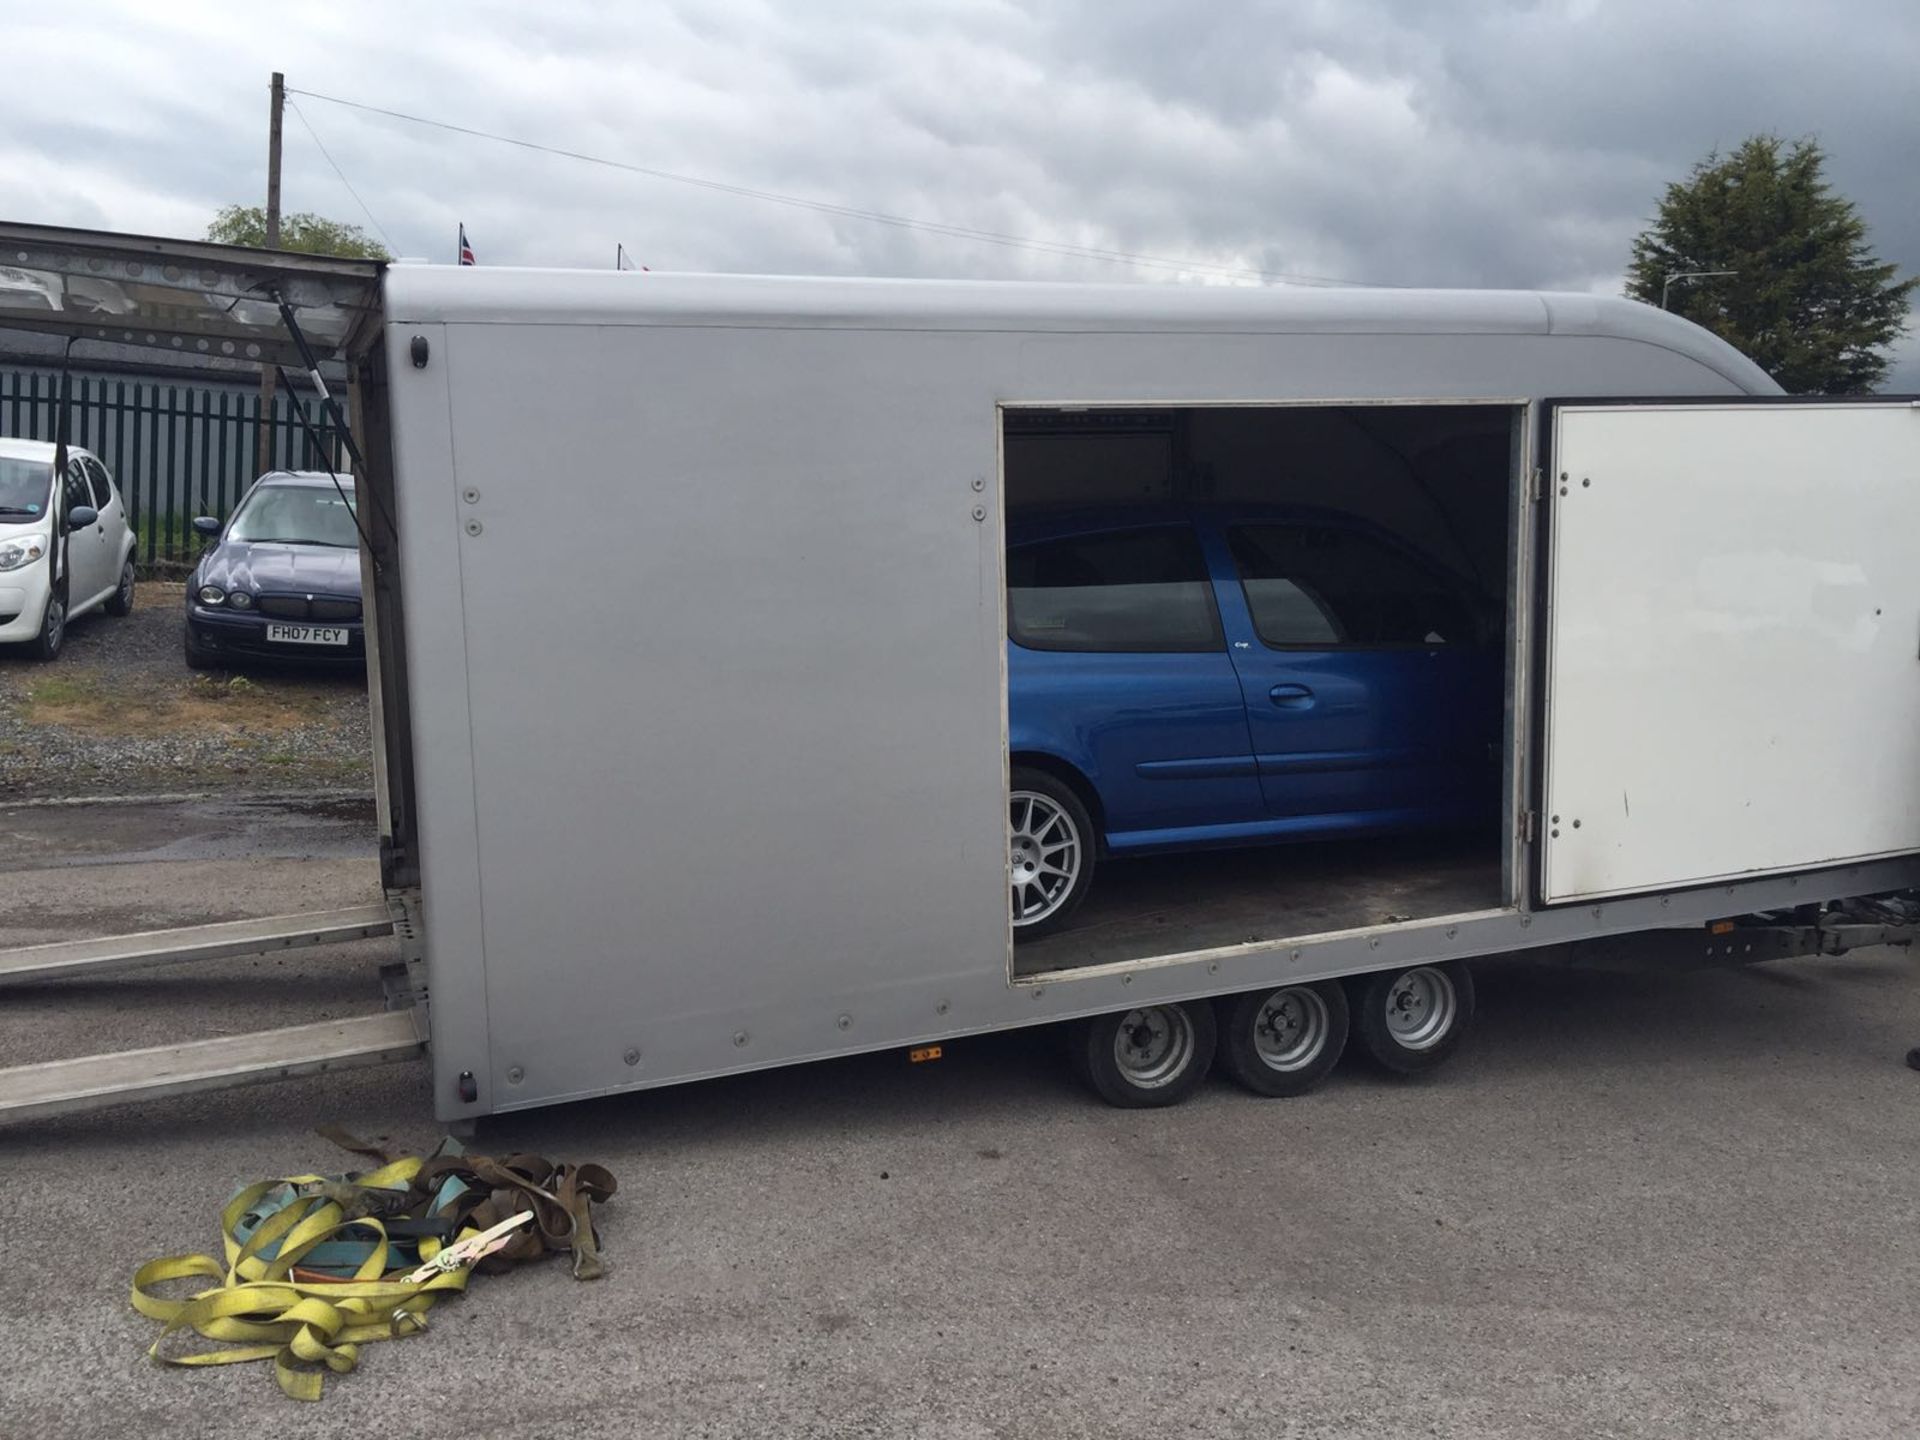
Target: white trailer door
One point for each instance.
(1732, 641)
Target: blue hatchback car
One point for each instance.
(1187, 676)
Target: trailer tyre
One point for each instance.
(1410, 1021)
(1147, 1057)
(1050, 852)
(1285, 1041)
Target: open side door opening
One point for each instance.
(1730, 641)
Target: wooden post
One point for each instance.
(263, 445)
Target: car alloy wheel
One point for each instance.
(1045, 854)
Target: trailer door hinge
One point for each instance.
(1537, 486)
(1529, 826)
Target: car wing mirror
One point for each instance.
(81, 516)
(207, 526)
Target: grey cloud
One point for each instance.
(1376, 140)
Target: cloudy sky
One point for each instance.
(1407, 142)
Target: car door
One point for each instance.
(1373, 688)
(1117, 664)
(84, 561)
(112, 524)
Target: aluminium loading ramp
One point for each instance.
(91, 1082)
(195, 942)
(88, 1082)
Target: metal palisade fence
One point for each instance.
(175, 449)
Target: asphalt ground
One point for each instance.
(1645, 1204)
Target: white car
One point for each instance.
(65, 549)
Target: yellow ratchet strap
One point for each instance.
(307, 1328)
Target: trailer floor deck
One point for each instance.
(1162, 904)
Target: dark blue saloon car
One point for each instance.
(281, 581)
(1181, 677)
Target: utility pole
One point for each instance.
(263, 449)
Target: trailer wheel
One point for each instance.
(1050, 849)
(1283, 1042)
(1409, 1021)
(1148, 1057)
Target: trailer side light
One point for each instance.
(920, 1054)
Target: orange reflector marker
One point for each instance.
(920, 1054)
(1720, 927)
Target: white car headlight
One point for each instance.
(212, 595)
(18, 550)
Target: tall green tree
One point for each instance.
(1810, 302)
(306, 232)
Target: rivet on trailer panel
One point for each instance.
(740, 1037)
(632, 1057)
(845, 1022)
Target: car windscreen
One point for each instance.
(24, 489)
(296, 514)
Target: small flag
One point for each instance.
(466, 250)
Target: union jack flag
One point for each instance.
(466, 250)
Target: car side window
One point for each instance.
(1142, 590)
(1325, 587)
(78, 491)
(102, 486)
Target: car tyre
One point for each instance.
(121, 602)
(1050, 852)
(197, 659)
(1284, 1041)
(1147, 1057)
(1410, 1021)
(53, 626)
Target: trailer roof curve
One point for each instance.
(430, 294)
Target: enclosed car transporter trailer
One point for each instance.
(686, 620)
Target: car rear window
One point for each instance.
(1123, 590)
(1324, 587)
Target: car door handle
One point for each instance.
(1291, 697)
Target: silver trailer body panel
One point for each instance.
(687, 640)
(704, 617)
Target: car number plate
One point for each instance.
(308, 634)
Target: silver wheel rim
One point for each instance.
(126, 584)
(1044, 853)
(1153, 1046)
(1291, 1029)
(56, 621)
(1421, 1006)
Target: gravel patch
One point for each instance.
(120, 713)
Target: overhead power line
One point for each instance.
(851, 212)
(318, 142)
